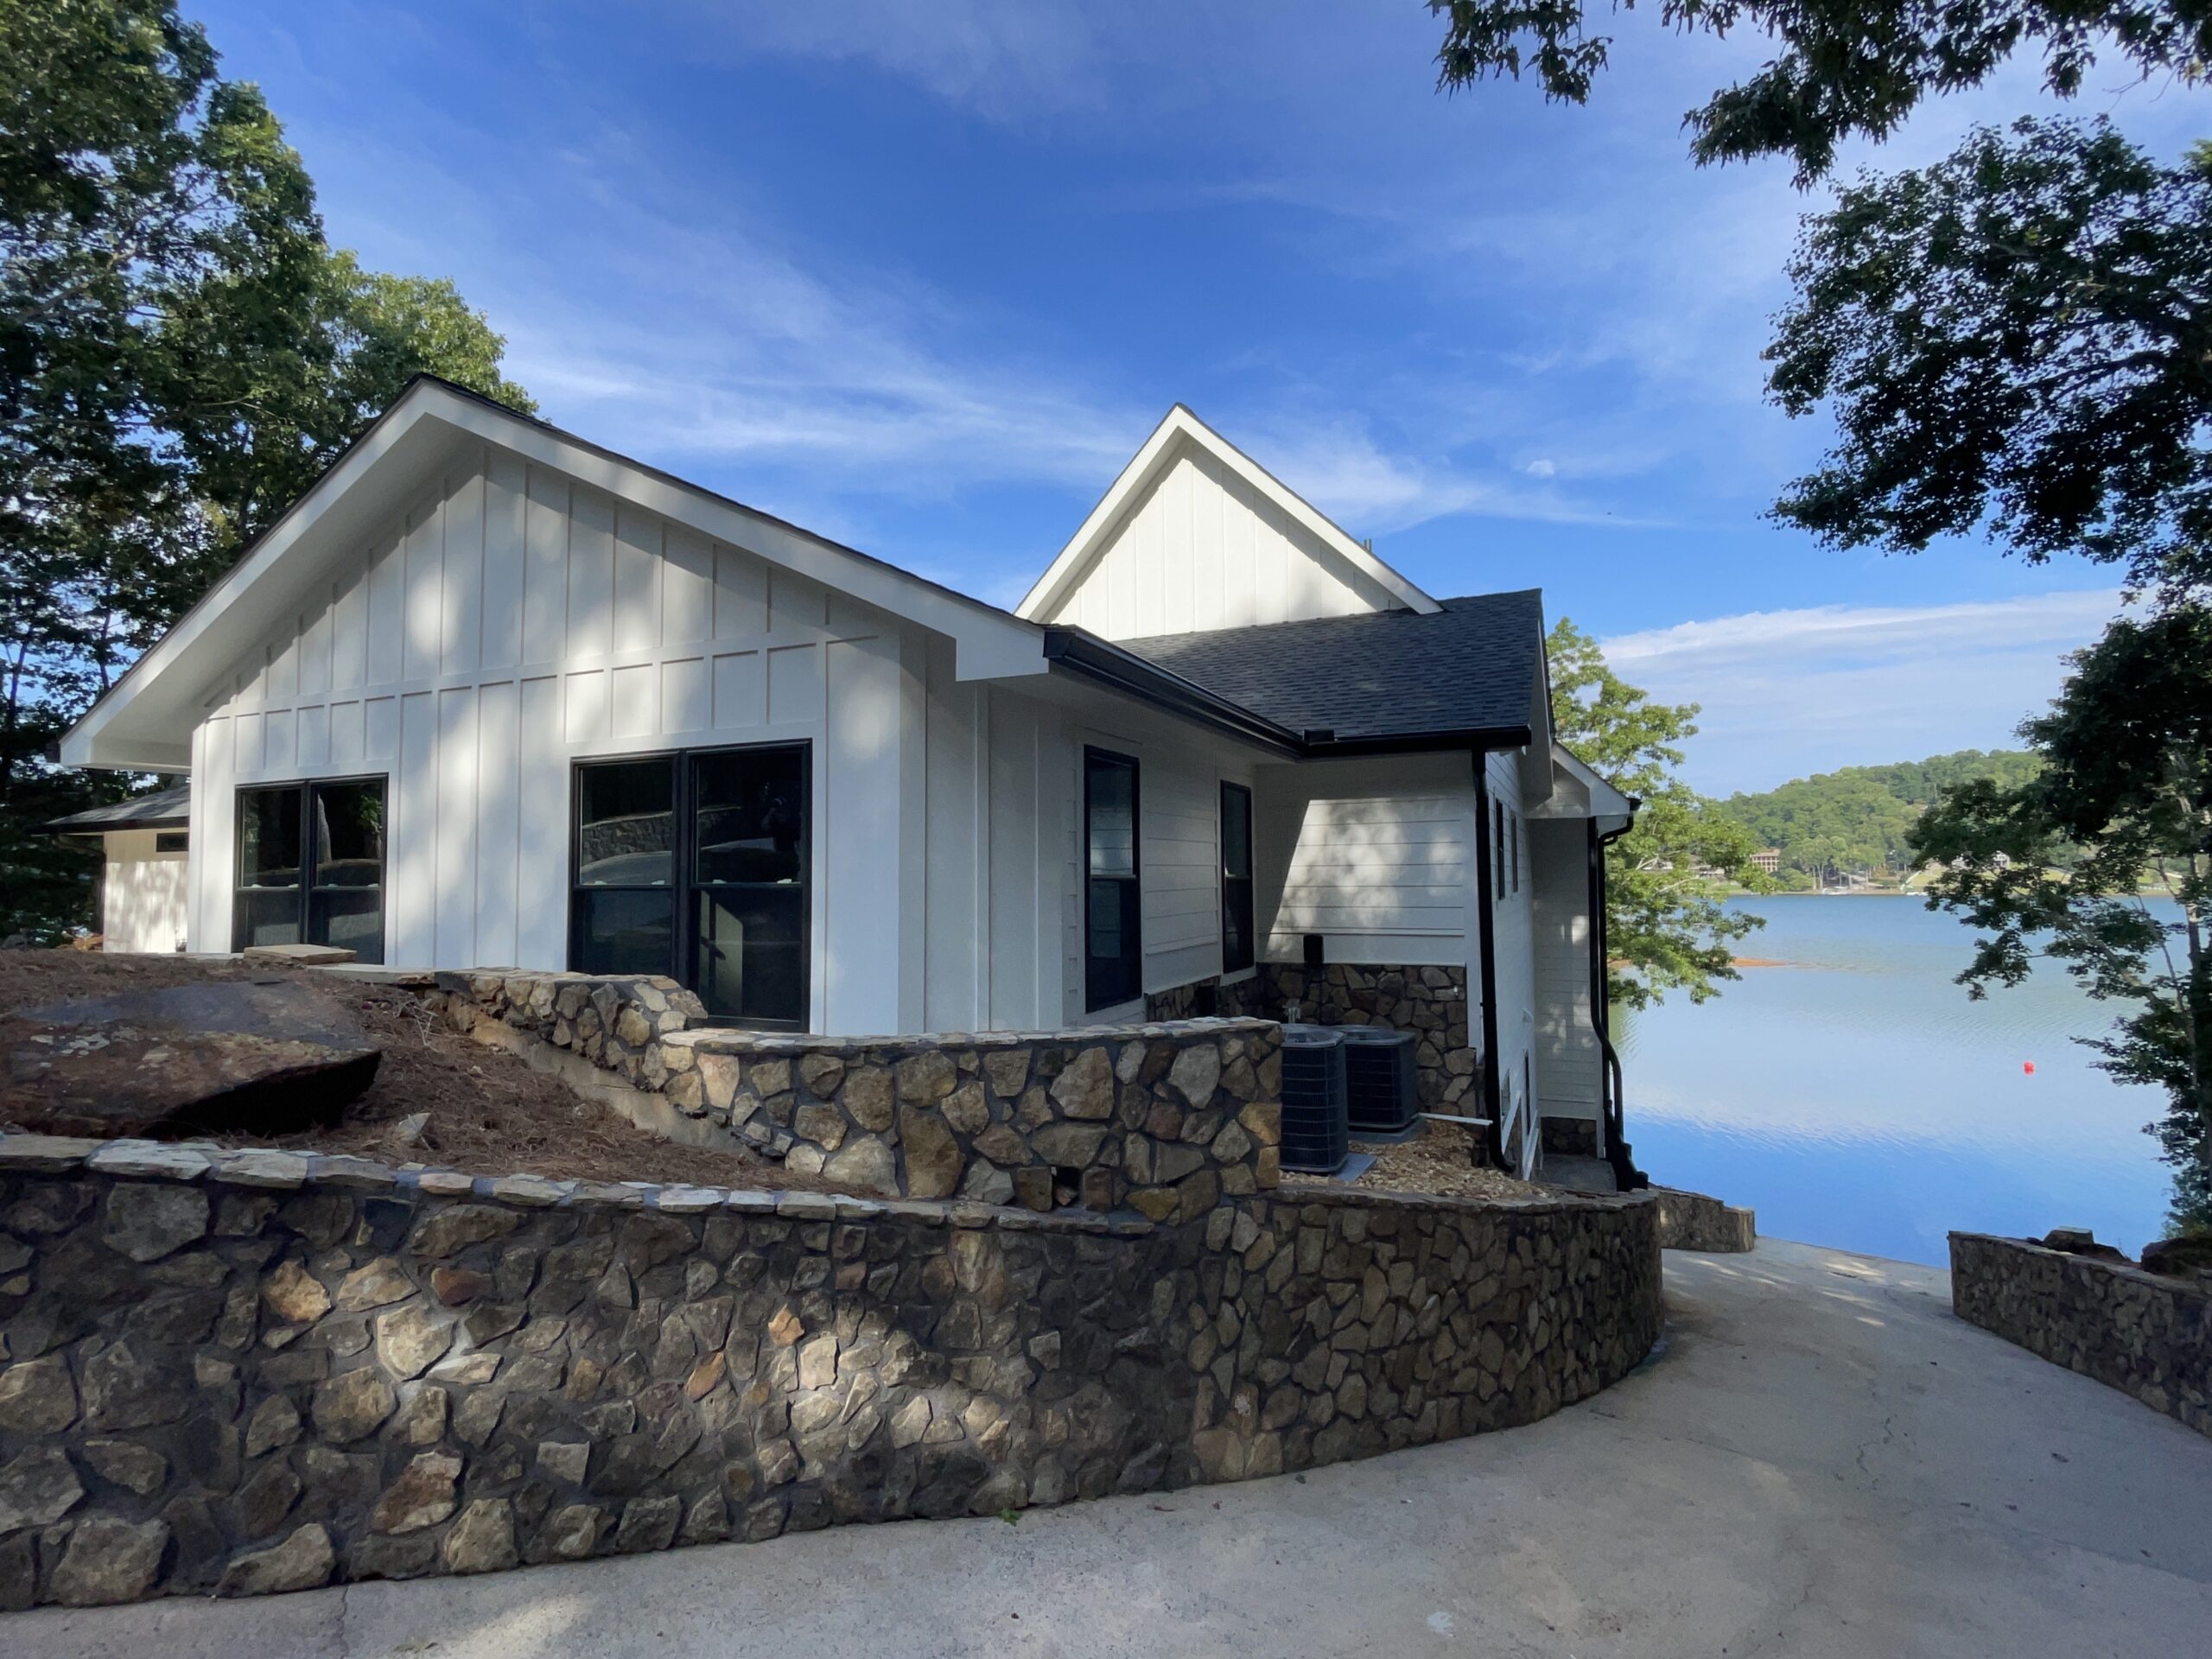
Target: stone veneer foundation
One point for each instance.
(2143, 1333)
(1165, 1118)
(1429, 1001)
(242, 1372)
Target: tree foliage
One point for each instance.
(180, 354)
(1665, 923)
(2014, 339)
(1842, 68)
(1861, 817)
(2127, 783)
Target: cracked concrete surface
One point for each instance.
(1821, 1462)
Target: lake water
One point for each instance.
(1855, 1097)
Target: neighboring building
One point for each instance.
(139, 904)
(491, 694)
(1767, 859)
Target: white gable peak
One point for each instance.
(1196, 535)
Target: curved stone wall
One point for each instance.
(240, 1372)
(2144, 1333)
(1167, 1118)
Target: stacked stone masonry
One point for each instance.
(242, 1372)
(2141, 1333)
(1166, 1119)
(1429, 1001)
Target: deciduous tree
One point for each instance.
(2014, 341)
(180, 354)
(1842, 68)
(2125, 790)
(1666, 924)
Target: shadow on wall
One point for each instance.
(246, 1372)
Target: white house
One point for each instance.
(143, 842)
(491, 694)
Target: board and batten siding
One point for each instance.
(1202, 549)
(999, 823)
(515, 621)
(1568, 1061)
(1375, 855)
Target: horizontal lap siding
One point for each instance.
(1567, 1057)
(1514, 943)
(1180, 866)
(510, 621)
(1376, 856)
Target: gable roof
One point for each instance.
(1467, 670)
(164, 808)
(144, 721)
(1159, 452)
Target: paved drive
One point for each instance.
(1822, 1461)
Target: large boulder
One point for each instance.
(254, 1057)
(2179, 1257)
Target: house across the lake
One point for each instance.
(491, 694)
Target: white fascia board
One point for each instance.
(1150, 460)
(992, 644)
(1580, 792)
(144, 723)
(154, 706)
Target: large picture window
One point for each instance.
(1112, 931)
(311, 866)
(698, 866)
(1237, 944)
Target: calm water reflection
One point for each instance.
(1856, 1098)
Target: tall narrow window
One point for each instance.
(267, 908)
(1513, 831)
(1112, 939)
(1237, 947)
(623, 915)
(748, 905)
(311, 866)
(1497, 853)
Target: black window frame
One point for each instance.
(683, 886)
(1131, 960)
(1236, 907)
(1513, 825)
(173, 840)
(307, 789)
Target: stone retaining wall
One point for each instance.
(1430, 1001)
(2141, 1333)
(246, 1372)
(1691, 1221)
(1165, 1118)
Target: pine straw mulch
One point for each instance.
(1439, 1161)
(491, 1114)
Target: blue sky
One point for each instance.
(923, 276)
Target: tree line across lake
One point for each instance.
(1858, 820)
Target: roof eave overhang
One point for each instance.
(1106, 663)
(144, 722)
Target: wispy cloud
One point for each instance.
(1858, 684)
(1002, 58)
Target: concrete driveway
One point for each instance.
(1821, 1461)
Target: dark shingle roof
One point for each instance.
(1473, 666)
(165, 808)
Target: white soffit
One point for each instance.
(1153, 458)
